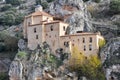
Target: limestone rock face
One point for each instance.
(110, 56)
(40, 65)
(73, 12)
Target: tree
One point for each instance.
(10, 43)
(115, 6)
(101, 43)
(6, 7)
(90, 67)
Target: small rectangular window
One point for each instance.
(36, 36)
(90, 47)
(66, 44)
(90, 40)
(51, 28)
(64, 28)
(84, 48)
(34, 30)
(83, 40)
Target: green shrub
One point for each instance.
(3, 76)
(6, 7)
(45, 5)
(50, 1)
(19, 19)
(115, 6)
(14, 2)
(85, 0)
(21, 54)
(2, 47)
(11, 18)
(101, 43)
(38, 2)
(97, 1)
(10, 43)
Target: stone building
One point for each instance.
(40, 27)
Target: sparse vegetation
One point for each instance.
(21, 54)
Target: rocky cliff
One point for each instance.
(41, 64)
(73, 12)
(110, 56)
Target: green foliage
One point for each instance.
(14, 2)
(54, 60)
(50, 1)
(97, 1)
(115, 6)
(10, 43)
(90, 67)
(22, 54)
(85, 0)
(6, 7)
(38, 2)
(45, 5)
(11, 18)
(19, 19)
(101, 43)
(2, 47)
(3, 76)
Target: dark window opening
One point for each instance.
(34, 30)
(90, 47)
(83, 40)
(66, 44)
(90, 40)
(72, 44)
(78, 40)
(79, 31)
(36, 36)
(64, 28)
(51, 28)
(28, 23)
(46, 34)
(84, 48)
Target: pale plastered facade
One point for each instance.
(40, 27)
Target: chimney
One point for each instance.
(38, 8)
